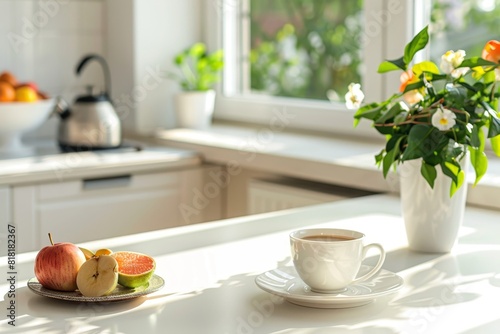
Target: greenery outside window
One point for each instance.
(304, 49)
(463, 24)
(297, 57)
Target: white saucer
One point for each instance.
(285, 282)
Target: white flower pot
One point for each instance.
(432, 219)
(195, 109)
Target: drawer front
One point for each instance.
(92, 209)
(106, 185)
(99, 217)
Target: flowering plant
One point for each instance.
(439, 112)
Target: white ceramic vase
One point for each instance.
(432, 219)
(195, 109)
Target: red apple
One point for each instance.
(57, 265)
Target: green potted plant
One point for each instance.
(435, 125)
(198, 72)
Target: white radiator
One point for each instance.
(272, 195)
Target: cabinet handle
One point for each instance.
(107, 182)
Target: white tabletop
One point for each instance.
(210, 272)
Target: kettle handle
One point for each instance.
(105, 69)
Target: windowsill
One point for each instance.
(341, 161)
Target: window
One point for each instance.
(463, 24)
(251, 30)
(303, 49)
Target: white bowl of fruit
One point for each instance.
(23, 108)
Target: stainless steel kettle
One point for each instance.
(91, 123)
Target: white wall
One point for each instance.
(43, 40)
(162, 29)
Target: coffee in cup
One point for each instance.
(328, 260)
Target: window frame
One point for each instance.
(389, 25)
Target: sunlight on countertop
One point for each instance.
(343, 161)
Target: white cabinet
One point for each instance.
(279, 193)
(92, 209)
(5, 220)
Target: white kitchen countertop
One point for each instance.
(46, 164)
(342, 161)
(210, 269)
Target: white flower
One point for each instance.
(451, 60)
(458, 72)
(443, 119)
(354, 97)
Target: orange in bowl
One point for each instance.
(9, 78)
(7, 92)
(26, 94)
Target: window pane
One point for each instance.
(304, 48)
(463, 24)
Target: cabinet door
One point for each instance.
(102, 208)
(5, 219)
(203, 194)
(24, 217)
(93, 209)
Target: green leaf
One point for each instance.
(370, 111)
(423, 140)
(494, 128)
(460, 181)
(202, 64)
(479, 162)
(489, 77)
(393, 142)
(495, 145)
(392, 65)
(388, 161)
(429, 173)
(425, 67)
(197, 50)
(401, 117)
(469, 87)
(179, 59)
(393, 112)
(379, 157)
(476, 61)
(456, 96)
(478, 158)
(384, 129)
(217, 56)
(417, 43)
(475, 141)
(415, 85)
(450, 170)
(391, 156)
(432, 159)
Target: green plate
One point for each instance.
(119, 293)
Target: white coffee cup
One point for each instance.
(328, 260)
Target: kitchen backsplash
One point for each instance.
(43, 41)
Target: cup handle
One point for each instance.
(375, 269)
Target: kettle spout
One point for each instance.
(62, 109)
